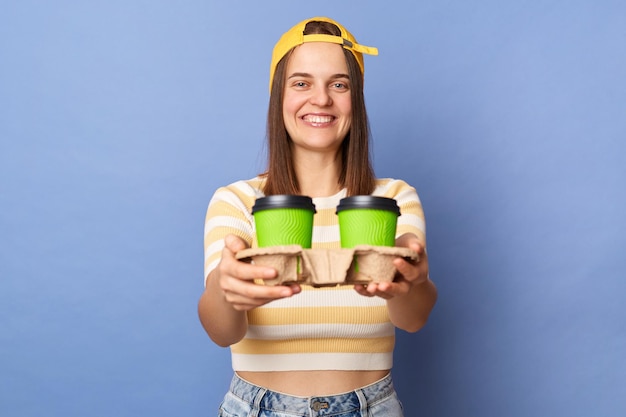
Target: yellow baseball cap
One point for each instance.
(295, 36)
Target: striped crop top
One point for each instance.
(320, 328)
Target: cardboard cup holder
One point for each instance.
(328, 267)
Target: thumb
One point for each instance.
(235, 243)
(409, 240)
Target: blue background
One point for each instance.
(118, 120)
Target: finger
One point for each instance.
(235, 243)
(410, 241)
(252, 300)
(406, 240)
(408, 270)
(233, 267)
(258, 293)
(379, 290)
(362, 290)
(250, 272)
(240, 302)
(238, 268)
(384, 290)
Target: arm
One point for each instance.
(412, 295)
(231, 291)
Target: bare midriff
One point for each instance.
(313, 383)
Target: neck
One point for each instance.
(318, 177)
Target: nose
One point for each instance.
(320, 96)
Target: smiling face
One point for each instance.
(317, 107)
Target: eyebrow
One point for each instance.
(307, 75)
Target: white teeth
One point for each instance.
(318, 119)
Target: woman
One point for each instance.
(298, 350)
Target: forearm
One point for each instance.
(410, 312)
(220, 320)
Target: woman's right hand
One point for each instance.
(236, 279)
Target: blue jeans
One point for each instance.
(248, 400)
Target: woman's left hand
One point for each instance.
(409, 273)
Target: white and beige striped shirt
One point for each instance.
(320, 328)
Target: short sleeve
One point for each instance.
(228, 212)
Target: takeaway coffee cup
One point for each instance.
(284, 220)
(367, 220)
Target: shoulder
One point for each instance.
(411, 218)
(394, 188)
(243, 190)
(252, 186)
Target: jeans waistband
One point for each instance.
(358, 399)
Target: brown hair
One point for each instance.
(357, 174)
